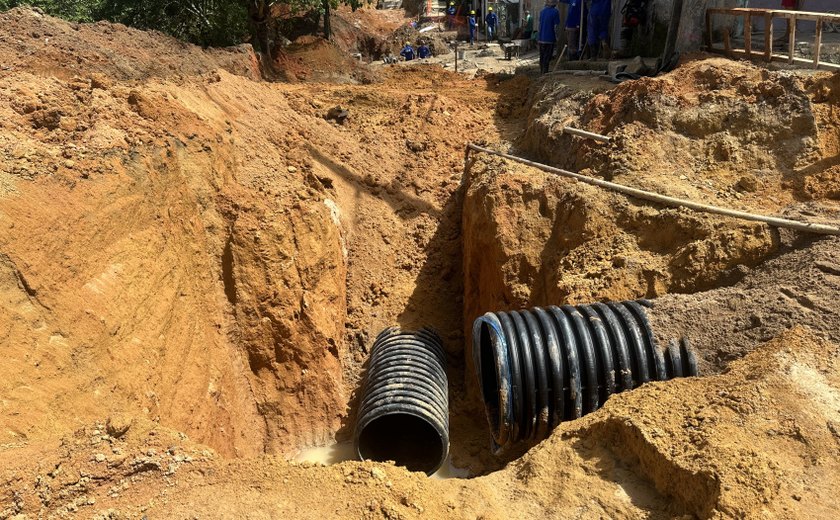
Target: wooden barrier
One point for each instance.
(768, 15)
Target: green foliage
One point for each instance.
(205, 22)
(76, 10)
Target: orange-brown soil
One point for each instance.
(194, 262)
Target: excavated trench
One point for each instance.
(184, 270)
(528, 239)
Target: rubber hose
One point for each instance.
(404, 410)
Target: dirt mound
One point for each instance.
(43, 45)
(713, 130)
(797, 288)
(311, 58)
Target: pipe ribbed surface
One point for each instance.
(539, 367)
(404, 410)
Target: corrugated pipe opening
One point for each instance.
(542, 366)
(404, 411)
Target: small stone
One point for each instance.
(748, 183)
(100, 457)
(291, 169)
(69, 163)
(378, 474)
(117, 425)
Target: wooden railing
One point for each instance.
(768, 15)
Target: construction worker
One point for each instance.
(527, 26)
(547, 37)
(598, 27)
(573, 27)
(407, 52)
(473, 26)
(492, 21)
(423, 51)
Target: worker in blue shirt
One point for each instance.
(492, 21)
(573, 27)
(473, 26)
(598, 27)
(423, 51)
(450, 11)
(547, 37)
(407, 52)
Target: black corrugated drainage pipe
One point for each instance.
(404, 411)
(542, 366)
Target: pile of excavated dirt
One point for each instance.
(718, 131)
(194, 263)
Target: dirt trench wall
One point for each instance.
(159, 259)
(532, 239)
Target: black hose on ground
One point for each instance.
(404, 411)
(541, 366)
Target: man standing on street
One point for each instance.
(547, 37)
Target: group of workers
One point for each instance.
(423, 51)
(597, 29)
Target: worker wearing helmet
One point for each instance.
(407, 52)
(473, 26)
(450, 11)
(492, 21)
(423, 51)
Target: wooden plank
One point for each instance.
(817, 44)
(748, 35)
(778, 13)
(768, 35)
(791, 39)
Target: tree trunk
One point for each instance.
(259, 18)
(327, 27)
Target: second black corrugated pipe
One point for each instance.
(542, 366)
(404, 411)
